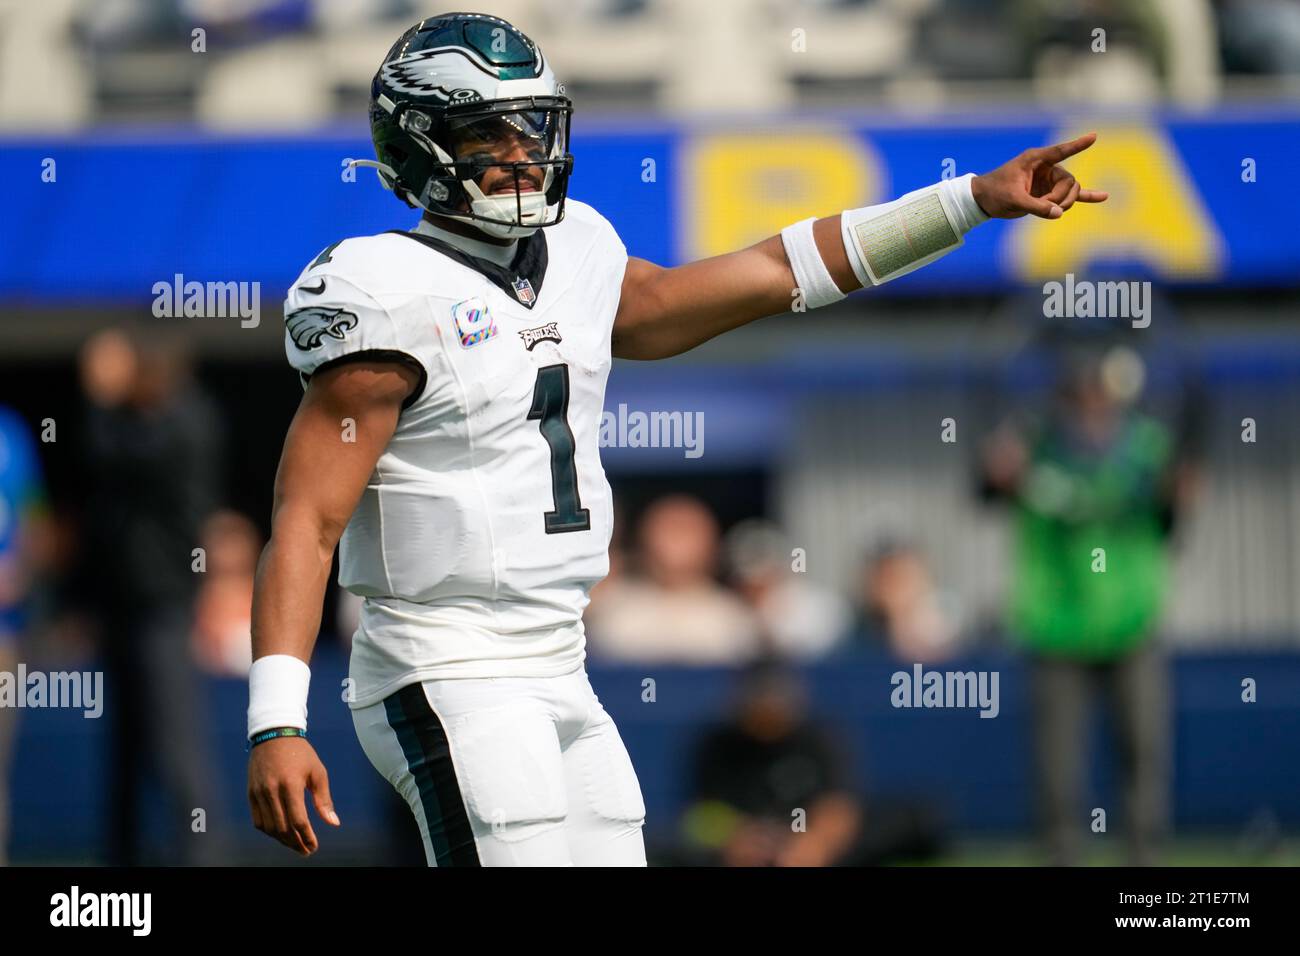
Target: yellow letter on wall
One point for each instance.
(743, 187)
(1154, 214)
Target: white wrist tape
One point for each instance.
(277, 693)
(810, 272)
(892, 239)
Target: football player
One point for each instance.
(447, 442)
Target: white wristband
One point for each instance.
(892, 239)
(277, 693)
(961, 195)
(810, 272)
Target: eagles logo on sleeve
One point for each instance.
(308, 327)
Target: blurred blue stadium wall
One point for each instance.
(124, 210)
(1233, 762)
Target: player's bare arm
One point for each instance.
(664, 312)
(319, 481)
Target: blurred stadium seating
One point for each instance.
(297, 63)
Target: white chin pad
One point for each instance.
(516, 217)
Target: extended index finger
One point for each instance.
(1063, 151)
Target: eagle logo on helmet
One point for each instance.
(421, 73)
(308, 327)
(411, 74)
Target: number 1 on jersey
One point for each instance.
(551, 406)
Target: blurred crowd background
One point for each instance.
(304, 62)
(917, 477)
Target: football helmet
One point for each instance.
(469, 122)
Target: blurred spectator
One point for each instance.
(121, 24)
(1137, 25)
(1095, 487)
(1259, 36)
(1116, 51)
(224, 610)
(21, 497)
(673, 609)
(151, 470)
(799, 619)
(902, 609)
(771, 787)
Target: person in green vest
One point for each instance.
(1094, 486)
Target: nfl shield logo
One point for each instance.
(524, 291)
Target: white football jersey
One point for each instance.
(488, 517)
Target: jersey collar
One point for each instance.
(521, 279)
(502, 255)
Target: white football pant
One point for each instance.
(509, 771)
